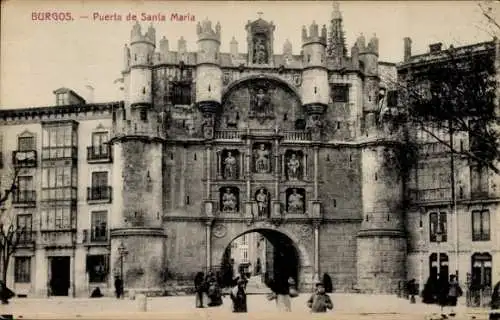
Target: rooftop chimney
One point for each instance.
(407, 49)
(89, 94)
(435, 47)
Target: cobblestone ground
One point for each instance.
(345, 305)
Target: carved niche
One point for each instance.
(229, 199)
(263, 199)
(260, 41)
(262, 157)
(230, 164)
(294, 164)
(261, 105)
(295, 200)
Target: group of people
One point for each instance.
(444, 291)
(282, 291)
(207, 287)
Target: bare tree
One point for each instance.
(10, 233)
(10, 236)
(12, 186)
(455, 94)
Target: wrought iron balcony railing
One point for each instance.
(100, 193)
(24, 159)
(100, 153)
(26, 197)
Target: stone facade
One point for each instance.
(207, 146)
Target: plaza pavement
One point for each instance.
(346, 306)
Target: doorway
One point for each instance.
(60, 276)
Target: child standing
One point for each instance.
(320, 301)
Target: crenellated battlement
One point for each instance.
(314, 34)
(205, 31)
(137, 36)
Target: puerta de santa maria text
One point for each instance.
(112, 16)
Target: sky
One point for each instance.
(38, 57)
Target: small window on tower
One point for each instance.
(340, 93)
(144, 115)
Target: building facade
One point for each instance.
(207, 146)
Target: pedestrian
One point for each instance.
(327, 282)
(443, 293)
(280, 292)
(239, 296)
(320, 301)
(5, 293)
(214, 292)
(454, 291)
(495, 302)
(118, 287)
(96, 293)
(199, 287)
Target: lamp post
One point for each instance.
(421, 244)
(439, 238)
(122, 251)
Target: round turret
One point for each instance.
(381, 240)
(208, 71)
(315, 88)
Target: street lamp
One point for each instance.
(439, 238)
(122, 251)
(421, 244)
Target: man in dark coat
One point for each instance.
(5, 293)
(199, 287)
(118, 287)
(495, 302)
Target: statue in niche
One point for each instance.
(231, 116)
(229, 201)
(262, 202)
(260, 55)
(295, 202)
(262, 161)
(293, 167)
(260, 103)
(230, 166)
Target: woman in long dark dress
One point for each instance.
(239, 296)
(199, 287)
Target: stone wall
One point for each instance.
(337, 253)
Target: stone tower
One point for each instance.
(315, 90)
(368, 56)
(136, 223)
(381, 249)
(208, 74)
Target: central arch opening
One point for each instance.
(263, 256)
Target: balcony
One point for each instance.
(24, 198)
(96, 236)
(59, 153)
(101, 194)
(24, 159)
(26, 238)
(58, 238)
(99, 154)
(430, 195)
